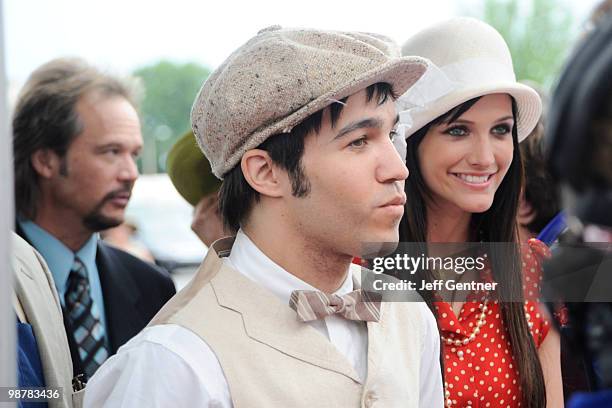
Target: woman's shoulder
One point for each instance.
(536, 249)
(538, 321)
(533, 254)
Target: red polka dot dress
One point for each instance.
(478, 364)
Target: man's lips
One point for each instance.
(397, 200)
(120, 199)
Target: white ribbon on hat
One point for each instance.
(433, 85)
(400, 143)
(438, 82)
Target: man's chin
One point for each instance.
(100, 222)
(380, 247)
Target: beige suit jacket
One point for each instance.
(36, 302)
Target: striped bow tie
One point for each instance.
(357, 305)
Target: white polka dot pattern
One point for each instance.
(481, 372)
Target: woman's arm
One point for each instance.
(550, 359)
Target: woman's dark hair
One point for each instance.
(497, 224)
(540, 190)
(236, 196)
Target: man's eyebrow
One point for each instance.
(362, 124)
(107, 145)
(116, 145)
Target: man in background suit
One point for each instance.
(76, 137)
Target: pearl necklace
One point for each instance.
(481, 322)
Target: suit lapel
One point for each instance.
(271, 322)
(76, 361)
(22, 234)
(121, 298)
(35, 293)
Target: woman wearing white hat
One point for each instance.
(464, 126)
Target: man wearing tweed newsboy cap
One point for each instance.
(299, 125)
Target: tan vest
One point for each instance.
(270, 359)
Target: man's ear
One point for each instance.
(261, 173)
(45, 162)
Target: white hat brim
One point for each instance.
(529, 105)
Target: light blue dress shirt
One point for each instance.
(60, 259)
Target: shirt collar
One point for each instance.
(58, 256)
(250, 261)
(89, 250)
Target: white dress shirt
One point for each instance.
(169, 365)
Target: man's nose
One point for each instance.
(392, 166)
(129, 170)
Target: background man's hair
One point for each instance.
(45, 117)
(236, 196)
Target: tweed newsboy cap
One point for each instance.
(280, 77)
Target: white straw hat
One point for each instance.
(474, 60)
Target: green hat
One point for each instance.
(190, 171)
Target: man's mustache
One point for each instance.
(124, 192)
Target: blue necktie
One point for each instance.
(84, 318)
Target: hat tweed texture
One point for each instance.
(282, 76)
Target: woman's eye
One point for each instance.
(393, 134)
(358, 143)
(501, 129)
(457, 131)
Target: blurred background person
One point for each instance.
(76, 136)
(540, 216)
(579, 148)
(540, 201)
(602, 10)
(125, 237)
(192, 177)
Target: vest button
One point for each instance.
(369, 399)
